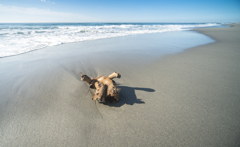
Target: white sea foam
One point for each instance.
(20, 38)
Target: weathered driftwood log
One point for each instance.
(106, 88)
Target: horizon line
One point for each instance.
(116, 22)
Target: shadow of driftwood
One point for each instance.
(128, 96)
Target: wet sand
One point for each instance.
(190, 98)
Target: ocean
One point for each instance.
(18, 38)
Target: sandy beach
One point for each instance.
(190, 98)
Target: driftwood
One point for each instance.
(106, 88)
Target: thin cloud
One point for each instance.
(47, 2)
(32, 11)
(16, 14)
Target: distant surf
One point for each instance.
(19, 38)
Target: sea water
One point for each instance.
(18, 38)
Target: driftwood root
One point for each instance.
(106, 88)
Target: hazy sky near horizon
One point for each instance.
(119, 11)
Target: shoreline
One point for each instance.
(26, 46)
(188, 98)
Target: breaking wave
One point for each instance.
(20, 38)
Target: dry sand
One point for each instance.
(187, 99)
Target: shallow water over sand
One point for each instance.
(20, 38)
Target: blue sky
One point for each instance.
(119, 11)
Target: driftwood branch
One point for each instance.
(106, 88)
